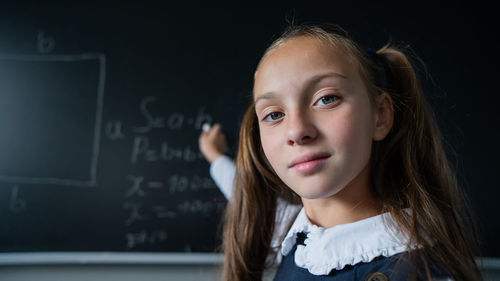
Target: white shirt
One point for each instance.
(325, 249)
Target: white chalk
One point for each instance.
(206, 127)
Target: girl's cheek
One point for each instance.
(266, 140)
(269, 142)
(339, 126)
(263, 139)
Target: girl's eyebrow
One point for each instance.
(316, 78)
(266, 96)
(311, 81)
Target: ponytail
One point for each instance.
(412, 171)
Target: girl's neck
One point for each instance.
(355, 202)
(331, 213)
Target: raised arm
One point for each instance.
(213, 146)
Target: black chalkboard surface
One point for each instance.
(101, 107)
(100, 119)
(77, 181)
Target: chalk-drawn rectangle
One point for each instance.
(50, 118)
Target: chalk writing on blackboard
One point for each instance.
(141, 150)
(134, 214)
(145, 237)
(114, 130)
(45, 43)
(135, 188)
(16, 203)
(174, 120)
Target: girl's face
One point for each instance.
(316, 120)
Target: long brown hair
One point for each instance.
(410, 170)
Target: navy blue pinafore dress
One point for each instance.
(380, 269)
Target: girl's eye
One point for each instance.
(327, 100)
(273, 116)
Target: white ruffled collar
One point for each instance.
(332, 248)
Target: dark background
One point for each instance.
(198, 60)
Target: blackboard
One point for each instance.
(100, 134)
(101, 107)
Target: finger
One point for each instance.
(215, 129)
(204, 135)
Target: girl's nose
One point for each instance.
(301, 130)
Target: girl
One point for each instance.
(345, 138)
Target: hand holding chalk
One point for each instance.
(212, 142)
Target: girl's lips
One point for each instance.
(309, 166)
(309, 162)
(309, 157)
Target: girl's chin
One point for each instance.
(316, 194)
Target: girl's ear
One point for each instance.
(384, 116)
